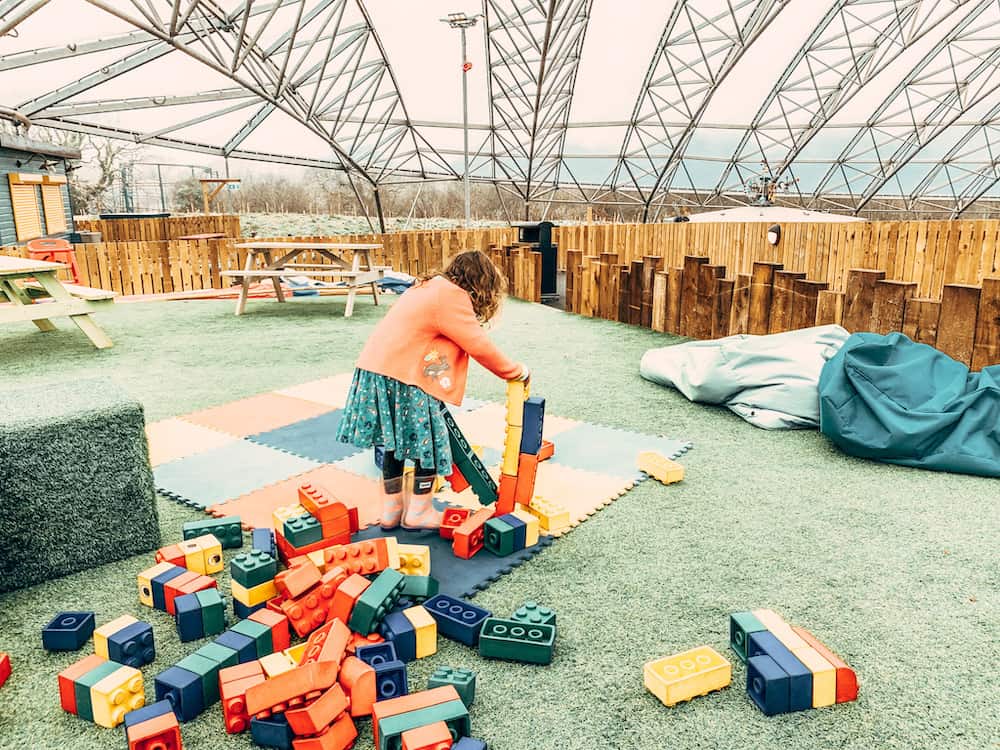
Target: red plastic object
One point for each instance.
(338, 736)
(319, 714)
(527, 471)
(847, 680)
(171, 554)
(310, 610)
(430, 737)
(232, 695)
(506, 494)
(291, 689)
(294, 582)
(278, 623)
(369, 556)
(362, 640)
(286, 551)
(55, 251)
(69, 676)
(4, 668)
(468, 538)
(457, 480)
(347, 595)
(412, 702)
(328, 643)
(358, 681)
(451, 519)
(159, 733)
(547, 450)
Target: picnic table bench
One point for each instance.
(23, 281)
(358, 273)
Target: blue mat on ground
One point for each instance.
(314, 439)
(458, 577)
(606, 450)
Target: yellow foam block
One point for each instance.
(145, 581)
(824, 676)
(392, 552)
(530, 525)
(551, 516)
(788, 637)
(318, 560)
(116, 695)
(511, 450)
(104, 632)
(295, 652)
(660, 467)
(278, 515)
(414, 559)
(517, 393)
(687, 675)
(253, 596)
(425, 628)
(202, 554)
(277, 663)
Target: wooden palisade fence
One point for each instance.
(161, 228)
(698, 299)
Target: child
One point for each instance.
(417, 357)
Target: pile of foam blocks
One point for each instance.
(361, 610)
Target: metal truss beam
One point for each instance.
(700, 45)
(533, 53)
(961, 70)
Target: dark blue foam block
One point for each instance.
(390, 680)
(314, 438)
(800, 683)
(767, 685)
(397, 629)
(458, 577)
(606, 450)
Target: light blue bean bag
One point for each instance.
(889, 399)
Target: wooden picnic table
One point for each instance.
(22, 280)
(357, 273)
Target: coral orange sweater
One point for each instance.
(426, 340)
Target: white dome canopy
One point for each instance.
(858, 105)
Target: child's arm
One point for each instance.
(457, 321)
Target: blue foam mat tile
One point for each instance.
(362, 464)
(314, 439)
(611, 451)
(455, 576)
(226, 472)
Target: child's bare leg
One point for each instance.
(420, 512)
(392, 491)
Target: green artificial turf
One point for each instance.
(894, 568)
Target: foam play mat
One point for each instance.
(248, 457)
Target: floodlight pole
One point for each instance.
(461, 21)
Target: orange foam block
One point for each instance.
(847, 680)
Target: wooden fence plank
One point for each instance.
(829, 308)
(986, 350)
(650, 265)
(722, 307)
(761, 289)
(660, 282)
(957, 323)
(860, 297)
(806, 302)
(675, 287)
(783, 300)
(709, 273)
(635, 292)
(740, 317)
(889, 303)
(689, 291)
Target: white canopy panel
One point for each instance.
(858, 105)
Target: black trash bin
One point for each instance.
(538, 234)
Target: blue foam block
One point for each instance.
(183, 689)
(244, 646)
(263, 539)
(159, 600)
(398, 629)
(520, 529)
(132, 645)
(767, 685)
(273, 731)
(376, 653)
(469, 743)
(68, 631)
(800, 679)
(243, 611)
(187, 615)
(532, 424)
(147, 712)
(457, 619)
(390, 680)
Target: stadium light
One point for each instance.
(462, 21)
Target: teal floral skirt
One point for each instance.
(401, 418)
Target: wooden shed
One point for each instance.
(34, 191)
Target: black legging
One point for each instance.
(392, 468)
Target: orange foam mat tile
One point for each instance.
(582, 493)
(175, 438)
(331, 391)
(484, 426)
(255, 508)
(261, 413)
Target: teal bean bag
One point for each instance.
(889, 399)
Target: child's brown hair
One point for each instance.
(478, 275)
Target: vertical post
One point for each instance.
(159, 178)
(465, 131)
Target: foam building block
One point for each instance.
(414, 559)
(228, 530)
(767, 685)
(376, 653)
(273, 731)
(202, 554)
(846, 679)
(515, 641)
(468, 743)
(800, 688)
(533, 421)
(183, 689)
(498, 537)
(741, 624)
(68, 677)
(68, 631)
(457, 619)
(358, 681)
(660, 467)
(263, 540)
(67, 436)
(532, 613)
(424, 629)
(5, 669)
(551, 515)
(412, 705)
(419, 588)
(687, 675)
(376, 601)
(153, 727)
(397, 629)
(823, 674)
(435, 736)
(133, 645)
(116, 694)
(390, 680)
(463, 680)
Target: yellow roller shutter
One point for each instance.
(27, 222)
(55, 212)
